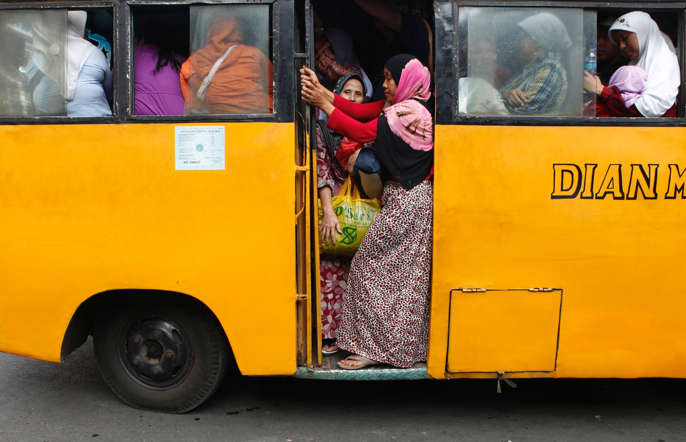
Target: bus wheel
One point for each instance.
(166, 357)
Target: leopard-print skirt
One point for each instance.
(385, 315)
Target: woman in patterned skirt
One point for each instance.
(385, 315)
(330, 176)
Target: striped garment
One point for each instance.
(544, 81)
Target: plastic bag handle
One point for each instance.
(349, 189)
(345, 187)
(355, 192)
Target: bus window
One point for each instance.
(32, 73)
(160, 46)
(56, 63)
(229, 70)
(521, 62)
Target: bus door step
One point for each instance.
(329, 371)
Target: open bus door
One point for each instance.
(307, 259)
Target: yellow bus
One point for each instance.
(187, 244)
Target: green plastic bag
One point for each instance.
(355, 215)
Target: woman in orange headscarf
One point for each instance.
(227, 76)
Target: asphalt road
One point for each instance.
(40, 401)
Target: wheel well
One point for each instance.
(81, 323)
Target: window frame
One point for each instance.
(122, 48)
(446, 16)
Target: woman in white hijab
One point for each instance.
(641, 41)
(541, 87)
(89, 79)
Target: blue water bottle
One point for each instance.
(591, 63)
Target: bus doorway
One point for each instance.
(352, 41)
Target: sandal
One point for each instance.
(333, 349)
(363, 362)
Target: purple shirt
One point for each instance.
(155, 93)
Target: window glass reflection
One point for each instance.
(521, 61)
(32, 72)
(229, 70)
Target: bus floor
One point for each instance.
(329, 370)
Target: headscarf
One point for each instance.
(396, 64)
(78, 49)
(631, 83)
(243, 81)
(345, 78)
(656, 58)
(547, 31)
(222, 34)
(404, 142)
(408, 118)
(338, 148)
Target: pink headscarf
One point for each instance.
(631, 82)
(407, 118)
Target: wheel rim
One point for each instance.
(155, 352)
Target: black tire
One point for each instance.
(161, 354)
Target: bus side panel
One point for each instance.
(90, 208)
(514, 209)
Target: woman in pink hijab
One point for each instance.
(385, 314)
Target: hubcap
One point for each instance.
(155, 353)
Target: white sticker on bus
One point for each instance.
(200, 148)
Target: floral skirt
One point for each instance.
(385, 315)
(333, 278)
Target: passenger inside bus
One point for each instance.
(541, 86)
(640, 40)
(477, 96)
(384, 320)
(608, 56)
(630, 82)
(330, 178)
(226, 75)
(335, 56)
(382, 29)
(157, 61)
(88, 77)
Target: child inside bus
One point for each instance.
(640, 40)
(226, 75)
(541, 86)
(477, 95)
(627, 81)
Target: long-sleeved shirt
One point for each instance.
(93, 88)
(356, 121)
(544, 81)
